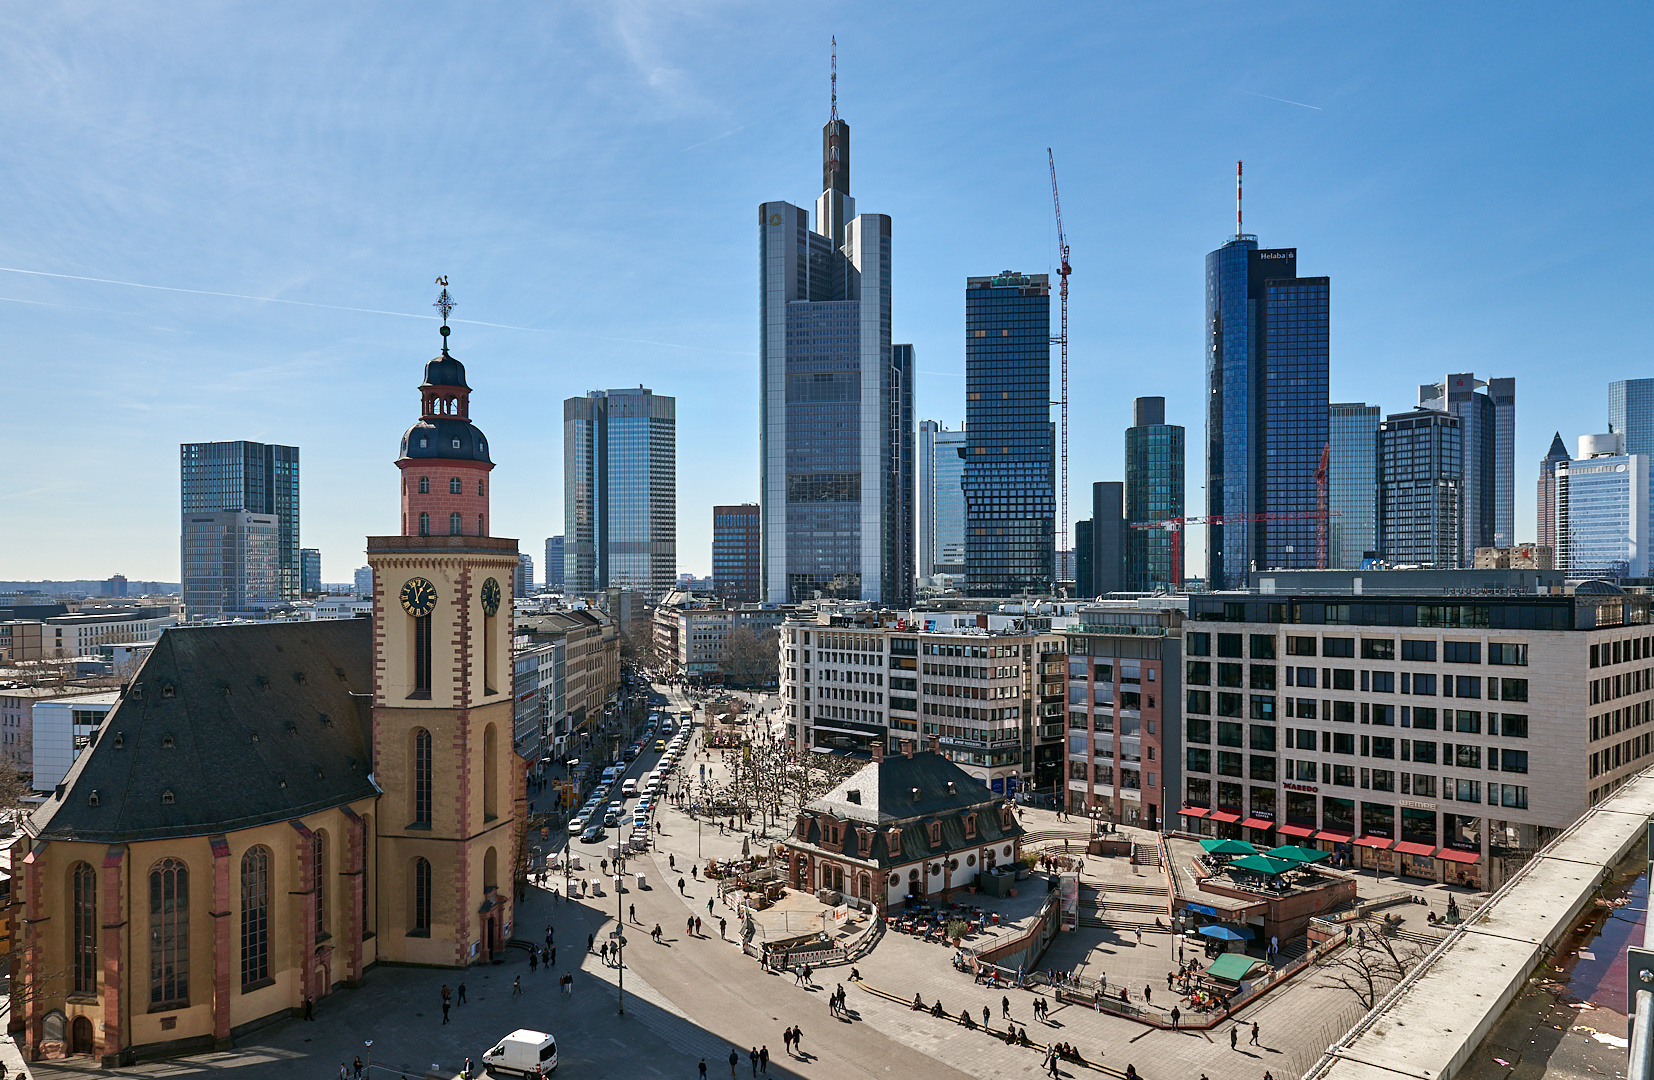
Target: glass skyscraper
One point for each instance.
(1010, 488)
(1154, 492)
(1108, 537)
(1421, 491)
(1487, 424)
(257, 478)
(735, 544)
(620, 497)
(310, 571)
(1352, 483)
(1266, 381)
(835, 402)
(554, 561)
(1631, 413)
(941, 500)
(1602, 500)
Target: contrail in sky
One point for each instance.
(341, 307)
(1283, 101)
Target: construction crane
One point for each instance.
(1062, 340)
(1175, 527)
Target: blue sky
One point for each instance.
(1472, 177)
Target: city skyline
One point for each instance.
(313, 218)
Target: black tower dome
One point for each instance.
(444, 430)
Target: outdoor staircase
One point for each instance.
(1145, 854)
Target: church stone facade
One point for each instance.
(271, 810)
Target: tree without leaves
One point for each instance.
(750, 660)
(1370, 969)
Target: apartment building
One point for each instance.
(853, 679)
(691, 631)
(1123, 669)
(1440, 736)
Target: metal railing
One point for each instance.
(1639, 992)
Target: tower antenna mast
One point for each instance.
(1062, 340)
(1237, 200)
(834, 117)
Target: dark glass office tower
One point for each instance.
(735, 538)
(1487, 425)
(1266, 424)
(1352, 483)
(835, 400)
(1421, 489)
(1108, 537)
(1154, 492)
(1010, 489)
(258, 478)
(1085, 582)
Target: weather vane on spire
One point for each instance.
(445, 304)
(834, 117)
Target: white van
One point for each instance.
(629, 788)
(525, 1052)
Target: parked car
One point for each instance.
(524, 1052)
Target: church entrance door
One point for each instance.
(80, 1035)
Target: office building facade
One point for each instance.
(941, 500)
(1352, 483)
(1266, 331)
(835, 412)
(1487, 426)
(736, 532)
(1421, 490)
(1602, 510)
(1009, 480)
(1085, 579)
(310, 571)
(1545, 503)
(1440, 737)
(522, 582)
(1154, 492)
(258, 478)
(620, 492)
(1110, 533)
(231, 563)
(554, 562)
(1631, 413)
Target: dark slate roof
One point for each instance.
(884, 791)
(444, 370)
(440, 433)
(244, 725)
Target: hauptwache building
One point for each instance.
(273, 809)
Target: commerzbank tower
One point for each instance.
(835, 398)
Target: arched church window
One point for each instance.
(456, 486)
(318, 862)
(424, 485)
(421, 897)
(83, 930)
(422, 777)
(169, 934)
(424, 524)
(480, 530)
(455, 524)
(255, 917)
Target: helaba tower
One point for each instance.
(835, 398)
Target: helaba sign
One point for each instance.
(1275, 254)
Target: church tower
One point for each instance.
(454, 795)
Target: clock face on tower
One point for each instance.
(490, 597)
(418, 597)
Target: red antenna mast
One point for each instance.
(834, 117)
(1062, 340)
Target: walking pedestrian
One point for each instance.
(356, 1066)
(1176, 1016)
(548, 957)
(709, 905)
(444, 1011)
(798, 980)
(1234, 1037)
(344, 1071)
(462, 993)
(1139, 930)
(798, 1039)
(516, 986)
(703, 1069)
(734, 1059)
(808, 971)
(533, 960)
(671, 862)
(1005, 1006)
(764, 1059)
(1254, 1040)
(1169, 978)
(987, 1014)
(1148, 994)
(752, 1055)
(309, 1008)
(680, 887)
(631, 910)
(689, 927)
(697, 926)
(589, 939)
(722, 923)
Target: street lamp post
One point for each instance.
(620, 924)
(369, 1044)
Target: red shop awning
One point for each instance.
(1337, 836)
(1294, 830)
(1257, 823)
(1194, 811)
(1379, 842)
(1454, 855)
(1407, 847)
(1224, 815)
